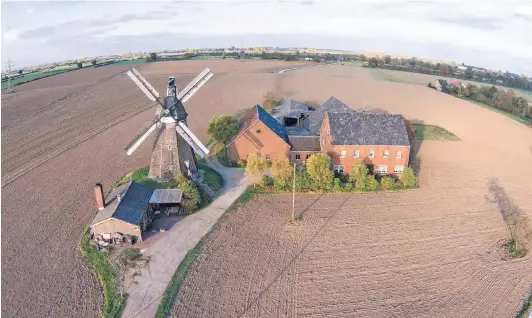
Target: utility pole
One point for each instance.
(9, 65)
(294, 196)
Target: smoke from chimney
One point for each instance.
(98, 191)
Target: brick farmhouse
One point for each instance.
(347, 136)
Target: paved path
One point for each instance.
(168, 251)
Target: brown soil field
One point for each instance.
(428, 252)
(63, 134)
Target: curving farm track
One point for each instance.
(430, 252)
(62, 134)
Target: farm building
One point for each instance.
(260, 134)
(291, 113)
(332, 105)
(130, 209)
(379, 140)
(441, 84)
(457, 84)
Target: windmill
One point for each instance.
(175, 144)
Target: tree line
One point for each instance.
(495, 97)
(317, 175)
(507, 79)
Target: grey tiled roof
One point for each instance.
(290, 108)
(305, 143)
(134, 204)
(332, 105)
(368, 129)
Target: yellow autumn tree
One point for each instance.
(255, 167)
(281, 171)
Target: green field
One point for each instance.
(430, 132)
(34, 76)
(354, 63)
(211, 177)
(61, 69)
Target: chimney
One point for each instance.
(98, 191)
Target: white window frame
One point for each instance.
(307, 157)
(298, 157)
(371, 154)
(268, 157)
(343, 153)
(386, 154)
(337, 168)
(356, 154)
(401, 168)
(398, 155)
(379, 169)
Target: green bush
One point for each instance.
(408, 178)
(319, 169)
(336, 185)
(140, 173)
(304, 182)
(371, 183)
(279, 186)
(387, 183)
(191, 195)
(266, 181)
(348, 187)
(358, 175)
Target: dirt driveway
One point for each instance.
(166, 251)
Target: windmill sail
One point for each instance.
(144, 133)
(191, 139)
(193, 87)
(142, 87)
(146, 84)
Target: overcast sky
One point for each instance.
(494, 34)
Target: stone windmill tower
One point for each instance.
(175, 144)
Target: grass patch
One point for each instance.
(179, 276)
(430, 132)
(353, 63)
(141, 176)
(156, 184)
(522, 120)
(512, 250)
(140, 173)
(107, 274)
(384, 75)
(212, 178)
(26, 78)
(527, 306)
(130, 254)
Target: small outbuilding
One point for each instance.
(130, 209)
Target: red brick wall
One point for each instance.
(303, 156)
(349, 160)
(269, 143)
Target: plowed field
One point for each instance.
(61, 135)
(429, 252)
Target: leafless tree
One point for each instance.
(515, 220)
